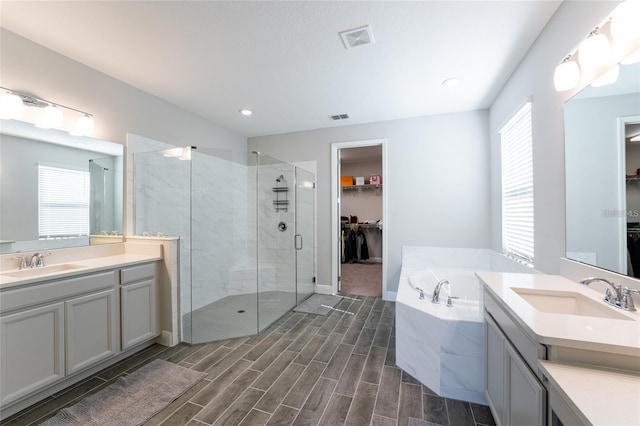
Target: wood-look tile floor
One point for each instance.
(303, 370)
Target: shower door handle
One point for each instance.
(295, 241)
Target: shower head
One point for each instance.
(280, 178)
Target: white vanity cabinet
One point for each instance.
(54, 332)
(515, 394)
(139, 304)
(53, 329)
(31, 350)
(91, 323)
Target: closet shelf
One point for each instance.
(367, 186)
(632, 178)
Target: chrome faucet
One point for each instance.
(627, 300)
(613, 299)
(435, 298)
(421, 296)
(37, 260)
(23, 261)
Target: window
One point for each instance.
(63, 202)
(517, 186)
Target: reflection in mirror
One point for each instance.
(57, 190)
(602, 167)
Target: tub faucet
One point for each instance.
(615, 298)
(435, 298)
(421, 296)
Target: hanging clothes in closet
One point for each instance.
(354, 245)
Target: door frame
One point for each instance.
(335, 212)
(622, 189)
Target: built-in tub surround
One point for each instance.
(439, 345)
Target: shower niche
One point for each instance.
(239, 271)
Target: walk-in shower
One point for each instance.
(246, 224)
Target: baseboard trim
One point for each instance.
(323, 289)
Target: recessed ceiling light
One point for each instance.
(246, 112)
(451, 82)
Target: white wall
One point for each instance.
(423, 153)
(534, 77)
(117, 107)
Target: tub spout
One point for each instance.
(435, 298)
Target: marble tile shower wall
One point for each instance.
(222, 219)
(203, 201)
(276, 250)
(162, 201)
(219, 230)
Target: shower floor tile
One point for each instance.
(235, 316)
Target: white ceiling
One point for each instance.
(286, 61)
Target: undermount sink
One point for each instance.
(32, 272)
(568, 303)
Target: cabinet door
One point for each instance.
(494, 369)
(31, 351)
(138, 307)
(92, 329)
(527, 397)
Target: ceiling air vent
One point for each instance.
(339, 117)
(357, 37)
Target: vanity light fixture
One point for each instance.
(51, 117)
(587, 60)
(566, 75)
(12, 105)
(246, 112)
(594, 51)
(624, 21)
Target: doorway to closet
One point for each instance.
(359, 215)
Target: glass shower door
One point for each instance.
(275, 211)
(305, 233)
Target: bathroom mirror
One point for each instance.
(602, 171)
(58, 190)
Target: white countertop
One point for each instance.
(620, 336)
(584, 390)
(94, 264)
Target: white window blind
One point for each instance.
(63, 202)
(517, 186)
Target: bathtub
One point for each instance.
(441, 346)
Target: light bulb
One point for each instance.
(608, 77)
(83, 127)
(11, 106)
(566, 76)
(246, 112)
(625, 21)
(51, 117)
(594, 52)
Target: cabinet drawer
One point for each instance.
(530, 350)
(56, 290)
(137, 273)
